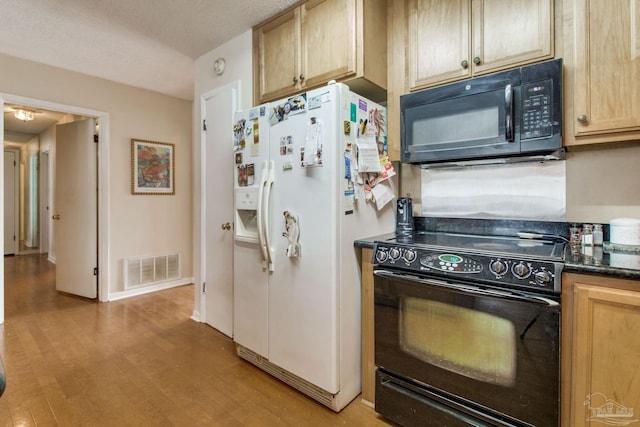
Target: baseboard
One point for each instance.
(114, 296)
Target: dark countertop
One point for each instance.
(595, 260)
(591, 260)
(368, 241)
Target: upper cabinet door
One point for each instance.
(328, 40)
(438, 42)
(510, 33)
(607, 69)
(455, 39)
(322, 40)
(277, 55)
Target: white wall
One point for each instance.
(238, 58)
(138, 225)
(602, 183)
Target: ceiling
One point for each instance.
(150, 44)
(16, 130)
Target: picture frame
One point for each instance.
(153, 168)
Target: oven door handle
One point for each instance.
(468, 288)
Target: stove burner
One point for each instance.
(492, 246)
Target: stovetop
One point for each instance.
(483, 244)
(532, 264)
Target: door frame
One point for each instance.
(102, 187)
(44, 201)
(16, 202)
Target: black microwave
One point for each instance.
(512, 113)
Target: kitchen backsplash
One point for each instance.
(531, 190)
(600, 184)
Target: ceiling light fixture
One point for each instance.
(24, 114)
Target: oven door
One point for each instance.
(465, 350)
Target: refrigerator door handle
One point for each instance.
(261, 227)
(267, 213)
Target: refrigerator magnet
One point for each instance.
(250, 174)
(347, 127)
(238, 133)
(242, 175)
(349, 202)
(256, 132)
(298, 104)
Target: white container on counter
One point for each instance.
(624, 231)
(624, 260)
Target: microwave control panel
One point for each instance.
(536, 109)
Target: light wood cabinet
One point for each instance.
(318, 41)
(456, 39)
(603, 66)
(601, 350)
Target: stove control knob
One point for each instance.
(381, 256)
(410, 255)
(394, 253)
(498, 267)
(543, 277)
(521, 271)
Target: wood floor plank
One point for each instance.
(140, 361)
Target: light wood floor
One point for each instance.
(135, 362)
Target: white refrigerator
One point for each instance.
(299, 209)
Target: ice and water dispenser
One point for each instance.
(246, 213)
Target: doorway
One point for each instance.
(102, 189)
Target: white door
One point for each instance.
(217, 178)
(75, 209)
(11, 214)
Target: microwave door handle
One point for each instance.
(509, 132)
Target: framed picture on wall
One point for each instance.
(153, 167)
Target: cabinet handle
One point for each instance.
(476, 60)
(464, 63)
(295, 79)
(582, 118)
(301, 77)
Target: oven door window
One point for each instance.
(462, 340)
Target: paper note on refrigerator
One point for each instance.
(382, 195)
(368, 156)
(312, 152)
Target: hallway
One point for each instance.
(135, 362)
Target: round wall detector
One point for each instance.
(218, 66)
